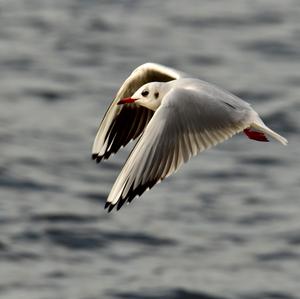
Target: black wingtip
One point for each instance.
(121, 203)
(130, 196)
(98, 159)
(110, 208)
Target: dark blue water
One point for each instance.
(227, 225)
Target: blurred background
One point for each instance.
(227, 225)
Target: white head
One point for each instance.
(149, 95)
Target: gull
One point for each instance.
(174, 118)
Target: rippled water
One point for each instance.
(225, 226)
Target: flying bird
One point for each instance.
(174, 118)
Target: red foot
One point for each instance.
(258, 136)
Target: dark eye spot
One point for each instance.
(156, 95)
(145, 93)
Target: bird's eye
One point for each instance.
(156, 95)
(145, 93)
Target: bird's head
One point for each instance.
(149, 95)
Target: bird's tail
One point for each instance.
(260, 126)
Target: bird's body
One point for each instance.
(176, 117)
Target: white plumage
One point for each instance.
(176, 117)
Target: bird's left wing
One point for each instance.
(123, 123)
(186, 123)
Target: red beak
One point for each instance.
(126, 101)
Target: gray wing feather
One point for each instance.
(124, 123)
(186, 123)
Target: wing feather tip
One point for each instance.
(120, 203)
(110, 207)
(99, 159)
(132, 194)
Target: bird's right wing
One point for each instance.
(123, 123)
(186, 123)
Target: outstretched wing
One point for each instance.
(186, 123)
(123, 123)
